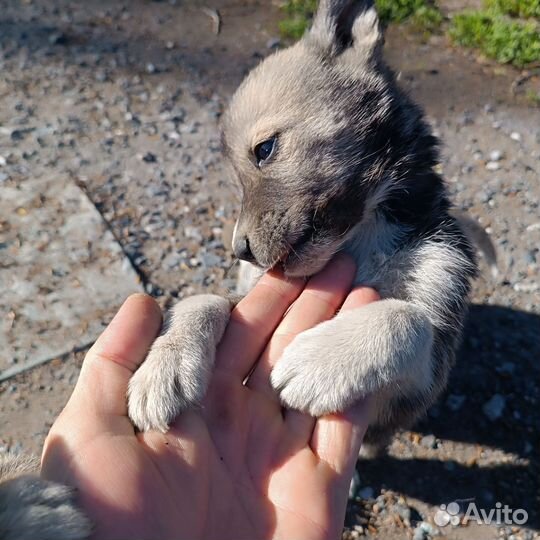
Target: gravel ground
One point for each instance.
(123, 100)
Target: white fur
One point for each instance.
(177, 370)
(359, 352)
(248, 275)
(437, 267)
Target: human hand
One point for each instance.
(238, 468)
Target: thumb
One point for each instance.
(115, 356)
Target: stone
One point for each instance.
(493, 166)
(494, 408)
(455, 401)
(429, 441)
(64, 281)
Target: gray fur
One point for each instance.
(352, 168)
(34, 509)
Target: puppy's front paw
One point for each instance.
(32, 508)
(386, 345)
(159, 391)
(176, 372)
(311, 375)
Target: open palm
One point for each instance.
(239, 467)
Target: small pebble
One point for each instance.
(507, 368)
(429, 441)
(515, 136)
(526, 287)
(420, 533)
(366, 493)
(530, 256)
(58, 38)
(494, 408)
(455, 401)
(493, 166)
(403, 511)
(100, 75)
(149, 157)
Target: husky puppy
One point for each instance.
(332, 156)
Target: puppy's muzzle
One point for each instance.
(242, 248)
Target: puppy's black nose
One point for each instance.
(242, 250)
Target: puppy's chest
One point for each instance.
(381, 264)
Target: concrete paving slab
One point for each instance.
(61, 272)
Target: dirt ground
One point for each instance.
(130, 94)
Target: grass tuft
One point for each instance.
(426, 19)
(515, 8)
(298, 15)
(506, 40)
(422, 14)
(533, 97)
(398, 11)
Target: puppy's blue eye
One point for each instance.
(264, 150)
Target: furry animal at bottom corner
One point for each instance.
(331, 155)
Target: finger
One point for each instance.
(337, 438)
(300, 424)
(114, 357)
(253, 321)
(360, 296)
(318, 302)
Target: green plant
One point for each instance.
(423, 15)
(533, 97)
(427, 19)
(298, 16)
(497, 36)
(398, 10)
(515, 8)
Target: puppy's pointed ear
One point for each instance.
(339, 25)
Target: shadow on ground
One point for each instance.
(499, 356)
